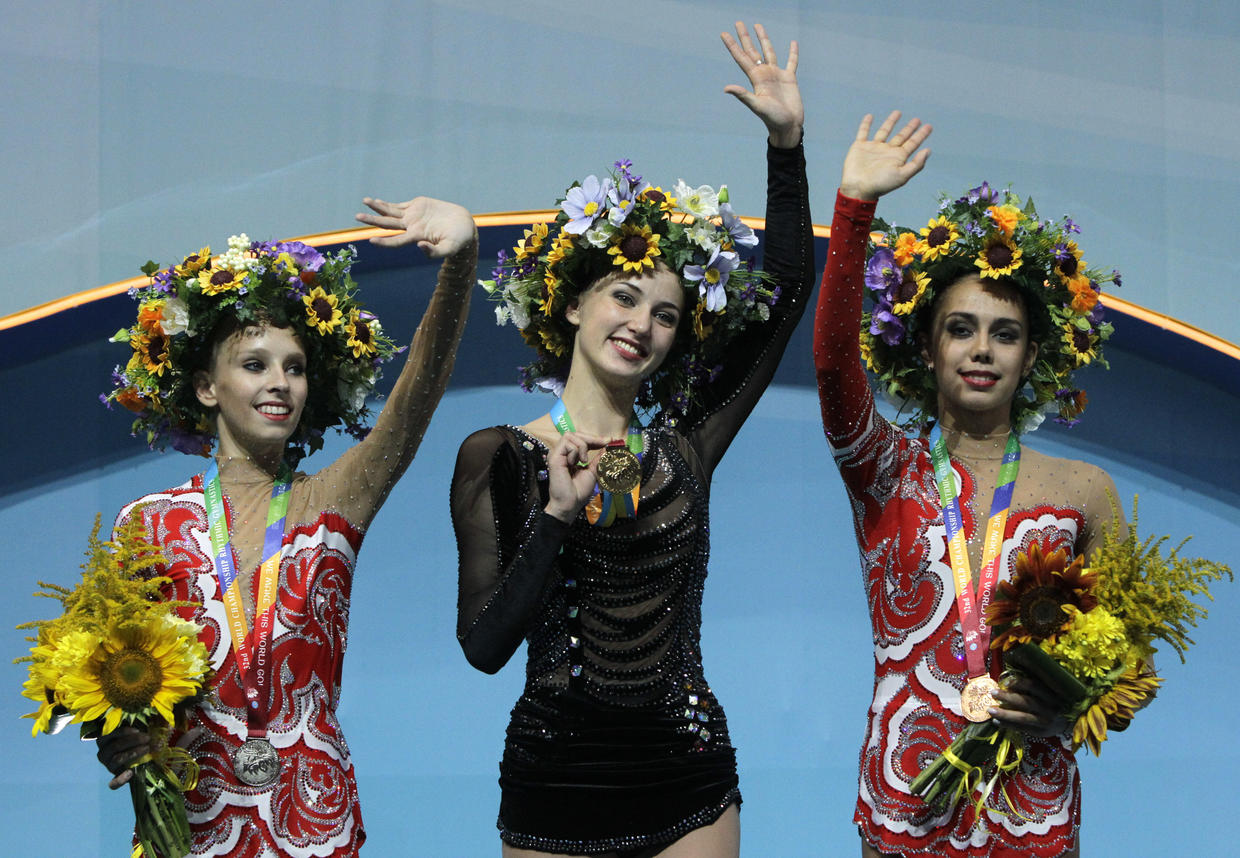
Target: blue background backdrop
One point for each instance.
(136, 130)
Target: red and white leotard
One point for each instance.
(311, 810)
(919, 667)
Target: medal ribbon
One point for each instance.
(972, 607)
(603, 509)
(251, 651)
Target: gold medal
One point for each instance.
(619, 470)
(978, 696)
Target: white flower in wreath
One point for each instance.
(175, 317)
(701, 202)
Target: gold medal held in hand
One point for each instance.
(619, 470)
(978, 696)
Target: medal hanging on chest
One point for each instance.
(619, 472)
(256, 762)
(978, 694)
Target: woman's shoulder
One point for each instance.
(491, 438)
(1075, 482)
(161, 501)
(1074, 469)
(480, 449)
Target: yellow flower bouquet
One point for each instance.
(117, 655)
(1086, 633)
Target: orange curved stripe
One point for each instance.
(520, 218)
(1175, 326)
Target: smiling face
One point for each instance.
(626, 325)
(257, 387)
(980, 351)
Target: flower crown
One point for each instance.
(623, 224)
(987, 233)
(287, 284)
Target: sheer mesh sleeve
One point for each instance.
(789, 258)
(1102, 509)
(507, 548)
(359, 481)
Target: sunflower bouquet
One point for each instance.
(119, 655)
(1088, 634)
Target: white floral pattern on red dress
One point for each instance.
(919, 667)
(312, 809)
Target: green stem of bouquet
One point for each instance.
(159, 813)
(940, 782)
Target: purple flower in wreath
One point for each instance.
(190, 443)
(165, 281)
(584, 203)
(882, 274)
(983, 193)
(623, 167)
(498, 273)
(306, 258)
(621, 197)
(713, 277)
(551, 384)
(885, 324)
(742, 235)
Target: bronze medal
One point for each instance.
(619, 470)
(256, 763)
(978, 696)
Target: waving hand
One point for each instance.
(439, 228)
(879, 164)
(773, 94)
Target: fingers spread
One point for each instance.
(768, 50)
(884, 130)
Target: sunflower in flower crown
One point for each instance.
(992, 234)
(624, 224)
(286, 284)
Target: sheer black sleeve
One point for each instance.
(507, 547)
(788, 257)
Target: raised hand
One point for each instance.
(439, 228)
(571, 474)
(773, 94)
(875, 166)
